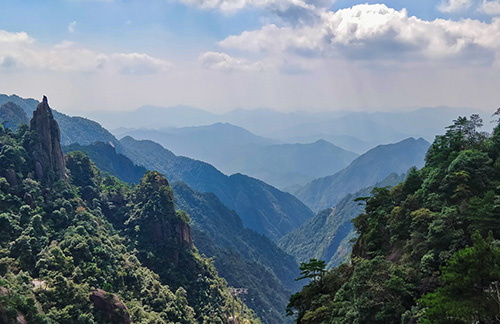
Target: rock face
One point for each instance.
(11, 115)
(46, 151)
(113, 309)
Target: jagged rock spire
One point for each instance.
(47, 152)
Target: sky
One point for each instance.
(218, 55)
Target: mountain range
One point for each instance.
(328, 236)
(251, 229)
(261, 207)
(242, 256)
(365, 171)
(232, 149)
(353, 131)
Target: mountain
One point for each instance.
(241, 256)
(28, 105)
(374, 128)
(287, 165)
(213, 144)
(12, 116)
(346, 142)
(233, 149)
(261, 207)
(353, 131)
(150, 116)
(73, 129)
(80, 247)
(428, 249)
(328, 235)
(108, 160)
(365, 171)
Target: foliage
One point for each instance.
(60, 243)
(471, 286)
(314, 269)
(420, 256)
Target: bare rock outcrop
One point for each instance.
(110, 306)
(47, 152)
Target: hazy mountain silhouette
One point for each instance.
(365, 171)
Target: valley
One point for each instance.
(255, 234)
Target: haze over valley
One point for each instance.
(249, 162)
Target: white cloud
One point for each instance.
(376, 32)
(137, 63)
(454, 5)
(10, 38)
(234, 5)
(21, 51)
(71, 27)
(226, 63)
(490, 7)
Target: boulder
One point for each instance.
(113, 309)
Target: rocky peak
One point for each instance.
(157, 219)
(47, 152)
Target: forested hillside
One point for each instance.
(80, 247)
(243, 257)
(428, 249)
(328, 235)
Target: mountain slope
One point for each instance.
(77, 247)
(73, 129)
(108, 160)
(241, 256)
(261, 207)
(211, 143)
(286, 165)
(328, 235)
(233, 149)
(365, 171)
(12, 116)
(428, 249)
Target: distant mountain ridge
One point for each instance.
(209, 143)
(12, 116)
(262, 207)
(365, 171)
(232, 149)
(73, 129)
(354, 131)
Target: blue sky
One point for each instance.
(223, 54)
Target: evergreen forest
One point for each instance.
(80, 246)
(428, 249)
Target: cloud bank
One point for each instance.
(20, 51)
(376, 32)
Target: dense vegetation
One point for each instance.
(87, 248)
(428, 249)
(243, 257)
